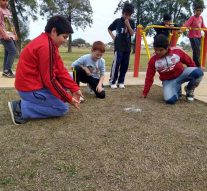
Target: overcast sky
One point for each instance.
(103, 16)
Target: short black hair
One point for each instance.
(161, 41)
(198, 5)
(167, 17)
(128, 8)
(60, 23)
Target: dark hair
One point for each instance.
(98, 45)
(60, 23)
(167, 17)
(161, 41)
(128, 8)
(198, 5)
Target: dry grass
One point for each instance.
(104, 148)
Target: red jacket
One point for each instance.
(169, 67)
(40, 66)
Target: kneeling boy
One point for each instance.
(168, 62)
(42, 79)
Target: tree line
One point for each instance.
(80, 13)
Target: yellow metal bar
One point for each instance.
(170, 37)
(160, 26)
(201, 53)
(145, 43)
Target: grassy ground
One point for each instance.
(107, 147)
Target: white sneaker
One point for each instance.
(81, 99)
(89, 91)
(121, 86)
(189, 94)
(113, 86)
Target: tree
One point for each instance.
(78, 12)
(21, 12)
(78, 42)
(151, 12)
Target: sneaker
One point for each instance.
(121, 86)
(8, 74)
(90, 91)
(189, 94)
(16, 114)
(81, 99)
(113, 86)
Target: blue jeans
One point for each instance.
(172, 88)
(41, 104)
(9, 53)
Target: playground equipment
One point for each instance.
(173, 38)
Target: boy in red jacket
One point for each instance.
(168, 62)
(42, 80)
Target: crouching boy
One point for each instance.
(168, 62)
(90, 69)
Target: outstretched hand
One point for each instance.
(143, 96)
(76, 98)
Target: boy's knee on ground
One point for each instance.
(61, 110)
(172, 100)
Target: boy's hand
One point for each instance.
(99, 88)
(6, 37)
(77, 95)
(87, 71)
(143, 96)
(75, 103)
(127, 22)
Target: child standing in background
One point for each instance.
(124, 28)
(8, 37)
(196, 21)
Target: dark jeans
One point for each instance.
(119, 67)
(196, 47)
(9, 53)
(81, 76)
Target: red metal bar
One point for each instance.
(174, 38)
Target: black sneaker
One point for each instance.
(8, 74)
(16, 114)
(189, 94)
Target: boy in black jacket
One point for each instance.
(124, 28)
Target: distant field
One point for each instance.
(69, 58)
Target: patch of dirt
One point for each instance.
(120, 143)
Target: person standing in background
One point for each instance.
(195, 21)
(124, 28)
(8, 37)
